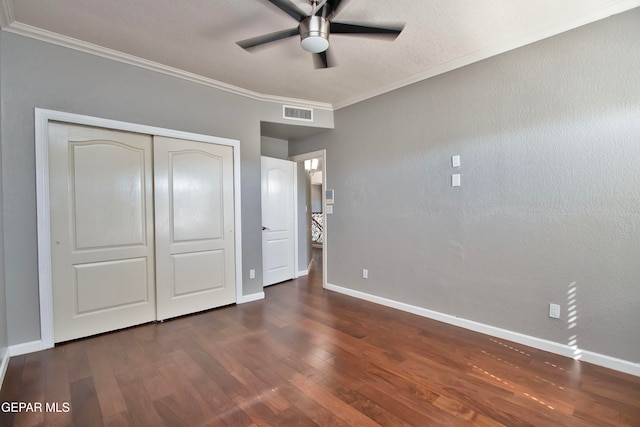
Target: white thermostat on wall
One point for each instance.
(329, 196)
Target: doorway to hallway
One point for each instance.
(312, 213)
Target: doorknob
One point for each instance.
(264, 228)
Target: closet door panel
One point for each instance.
(194, 212)
(102, 241)
(196, 195)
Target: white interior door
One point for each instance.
(277, 220)
(102, 241)
(194, 210)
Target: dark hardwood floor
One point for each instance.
(305, 356)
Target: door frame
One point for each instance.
(325, 234)
(42, 119)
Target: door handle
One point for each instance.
(264, 228)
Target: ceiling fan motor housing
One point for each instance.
(314, 34)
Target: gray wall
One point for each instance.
(4, 339)
(37, 74)
(549, 207)
(274, 147)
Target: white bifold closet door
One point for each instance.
(120, 260)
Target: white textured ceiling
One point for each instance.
(199, 37)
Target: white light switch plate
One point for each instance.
(455, 161)
(455, 180)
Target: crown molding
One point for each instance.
(82, 46)
(8, 23)
(602, 12)
(6, 13)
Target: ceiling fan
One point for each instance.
(314, 28)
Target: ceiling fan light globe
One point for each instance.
(314, 44)
(314, 34)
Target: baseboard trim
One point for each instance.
(538, 343)
(305, 272)
(4, 364)
(27, 347)
(614, 363)
(251, 297)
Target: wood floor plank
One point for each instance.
(140, 408)
(123, 419)
(306, 356)
(11, 388)
(306, 404)
(77, 362)
(189, 404)
(423, 414)
(107, 389)
(227, 411)
(32, 388)
(324, 397)
(213, 369)
(57, 390)
(294, 417)
(155, 384)
(85, 407)
(261, 390)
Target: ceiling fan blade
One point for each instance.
(323, 60)
(335, 6)
(320, 60)
(289, 8)
(268, 38)
(344, 28)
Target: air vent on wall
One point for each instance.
(297, 113)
